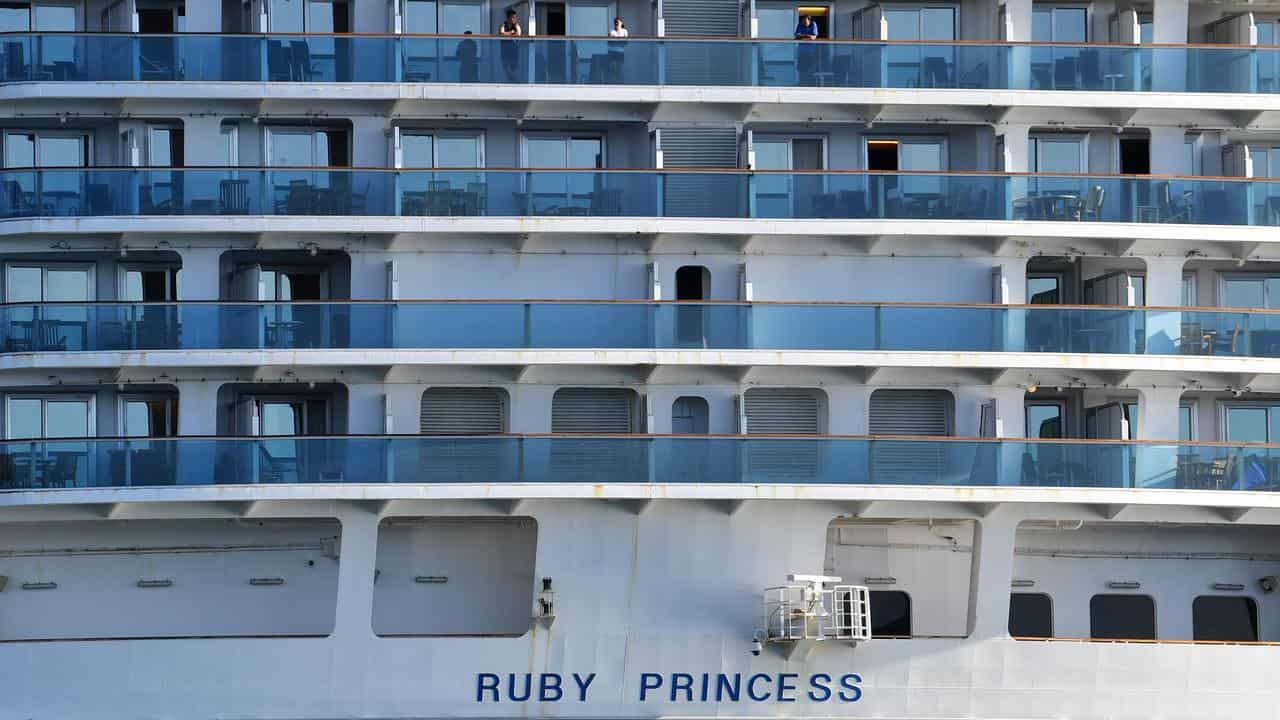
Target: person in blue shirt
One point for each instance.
(806, 55)
(807, 29)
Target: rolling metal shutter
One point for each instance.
(694, 195)
(909, 412)
(593, 410)
(700, 147)
(596, 410)
(462, 411)
(701, 17)
(696, 63)
(782, 411)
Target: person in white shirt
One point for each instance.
(619, 30)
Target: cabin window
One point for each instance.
(1224, 618)
(1122, 617)
(890, 614)
(1030, 615)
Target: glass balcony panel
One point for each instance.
(928, 60)
(442, 325)
(91, 462)
(94, 192)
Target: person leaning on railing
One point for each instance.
(510, 52)
(619, 30)
(806, 56)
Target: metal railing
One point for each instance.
(571, 459)
(552, 325)
(809, 611)
(350, 58)
(833, 194)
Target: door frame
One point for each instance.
(902, 139)
(1058, 402)
(790, 138)
(320, 270)
(124, 399)
(1082, 140)
(795, 13)
(602, 136)
(1224, 406)
(171, 277)
(435, 146)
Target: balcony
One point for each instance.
(566, 325)
(511, 459)
(739, 194)
(70, 57)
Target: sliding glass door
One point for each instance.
(791, 192)
(59, 461)
(920, 65)
(47, 328)
(563, 193)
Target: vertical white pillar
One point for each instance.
(1009, 286)
(1169, 26)
(991, 574)
(1011, 424)
(369, 141)
(357, 558)
(1168, 151)
(197, 408)
(199, 279)
(1017, 28)
(1016, 146)
(531, 408)
(1157, 420)
(197, 416)
(1158, 413)
(202, 141)
(853, 402)
(1017, 17)
(1164, 289)
(353, 620)
(1164, 280)
(204, 17)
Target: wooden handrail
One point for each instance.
(644, 38)
(641, 301)
(624, 171)
(1082, 442)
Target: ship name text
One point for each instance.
(675, 687)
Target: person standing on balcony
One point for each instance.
(806, 55)
(510, 51)
(619, 30)
(468, 59)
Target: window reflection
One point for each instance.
(15, 18)
(1247, 424)
(58, 462)
(287, 16)
(420, 17)
(24, 419)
